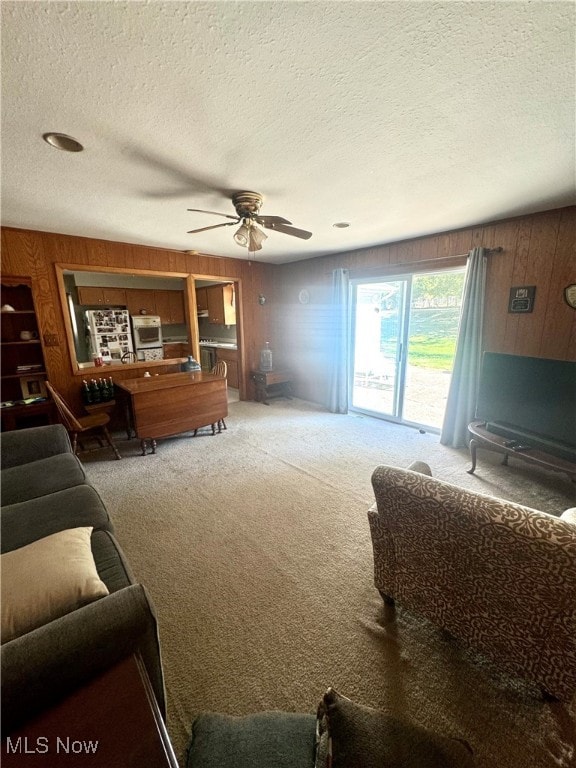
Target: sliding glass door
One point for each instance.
(404, 337)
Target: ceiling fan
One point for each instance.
(247, 205)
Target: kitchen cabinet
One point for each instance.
(140, 301)
(201, 300)
(170, 307)
(221, 304)
(175, 349)
(110, 297)
(230, 357)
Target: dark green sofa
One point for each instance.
(44, 491)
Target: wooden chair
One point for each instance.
(221, 369)
(80, 425)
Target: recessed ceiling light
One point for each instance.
(341, 224)
(61, 141)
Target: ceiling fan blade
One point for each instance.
(290, 230)
(214, 213)
(214, 226)
(188, 182)
(269, 221)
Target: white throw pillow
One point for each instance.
(47, 579)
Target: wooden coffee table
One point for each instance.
(482, 438)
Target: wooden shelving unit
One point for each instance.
(22, 367)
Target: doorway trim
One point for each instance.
(242, 389)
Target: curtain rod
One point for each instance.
(489, 252)
(379, 267)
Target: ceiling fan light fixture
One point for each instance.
(248, 235)
(242, 235)
(257, 237)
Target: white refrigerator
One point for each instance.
(109, 333)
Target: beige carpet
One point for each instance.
(255, 547)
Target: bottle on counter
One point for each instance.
(86, 393)
(191, 364)
(266, 358)
(95, 391)
(104, 391)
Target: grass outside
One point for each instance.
(432, 340)
(431, 353)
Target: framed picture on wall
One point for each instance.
(32, 386)
(522, 298)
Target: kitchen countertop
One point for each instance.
(220, 344)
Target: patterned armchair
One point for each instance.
(498, 576)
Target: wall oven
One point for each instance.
(147, 337)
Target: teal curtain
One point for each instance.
(338, 398)
(463, 389)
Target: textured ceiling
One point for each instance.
(401, 118)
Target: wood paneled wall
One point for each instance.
(538, 250)
(34, 254)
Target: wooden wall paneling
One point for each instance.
(203, 265)
(478, 240)
(498, 282)
(15, 260)
(174, 261)
(256, 316)
(139, 255)
(404, 252)
(18, 248)
(292, 327)
(250, 308)
(525, 242)
(59, 248)
(51, 329)
(416, 247)
(6, 265)
(393, 253)
(430, 249)
(156, 259)
(538, 271)
(161, 259)
(572, 340)
(559, 328)
(521, 254)
(99, 252)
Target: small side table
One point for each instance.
(112, 721)
(272, 384)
